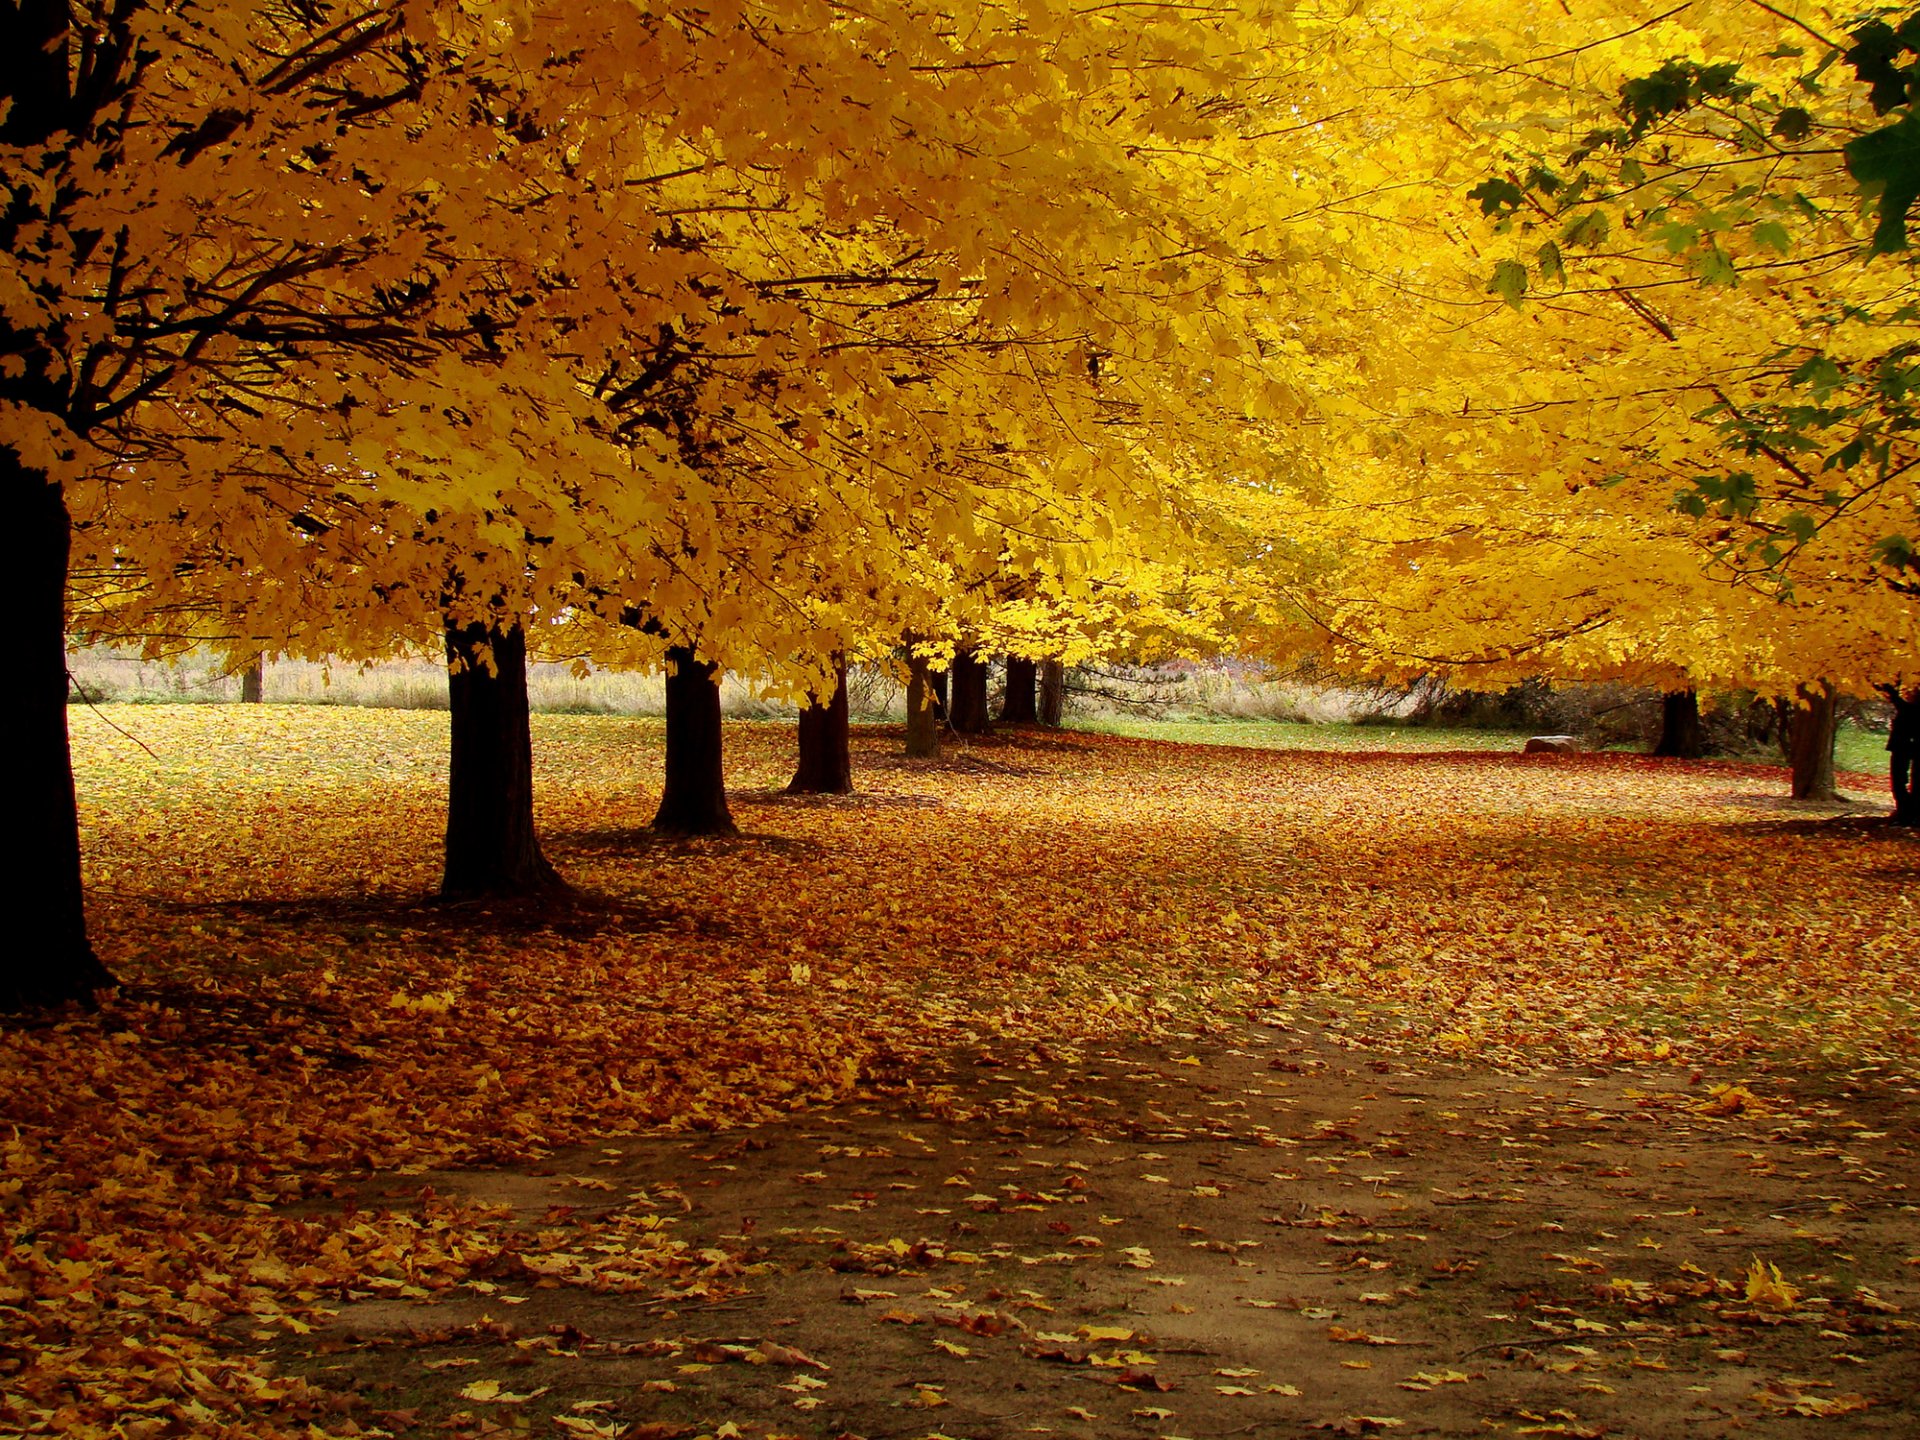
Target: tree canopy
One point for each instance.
(1469, 337)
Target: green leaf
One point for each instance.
(1874, 56)
(1886, 162)
(1715, 266)
(1801, 526)
(1897, 551)
(1498, 198)
(1819, 374)
(1587, 230)
(1793, 124)
(1772, 235)
(1551, 266)
(1509, 282)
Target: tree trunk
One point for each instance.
(967, 710)
(1810, 744)
(1903, 757)
(826, 764)
(47, 959)
(923, 729)
(1018, 707)
(1681, 737)
(492, 848)
(694, 801)
(937, 684)
(1053, 691)
(253, 681)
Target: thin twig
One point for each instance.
(74, 681)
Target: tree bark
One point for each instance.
(1903, 756)
(923, 729)
(47, 959)
(1810, 743)
(253, 681)
(1018, 707)
(826, 762)
(1053, 691)
(937, 686)
(1681, 737)
(967, 709)
(694, 801)
(492, 847)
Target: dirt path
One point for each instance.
(1278, 1235)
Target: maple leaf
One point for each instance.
(1766, 1287)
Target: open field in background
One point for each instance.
(1198, 705)
(1855, 747)
(345, 1158)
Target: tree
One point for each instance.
(1680, 734)
(967, 705)
(250, 317)
(1810, 739)
(825, 766)
(1053, 688)
(492, 847)
(1903, 754)
(694, 798)
(1018, 706)
(923, 729)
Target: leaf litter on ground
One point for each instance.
(248, 1141)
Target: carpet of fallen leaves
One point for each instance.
(296, 1015)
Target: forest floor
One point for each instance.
(1067, 1085)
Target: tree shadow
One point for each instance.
(569, 914)
(203, 1018)
(624, 844)
(857, 800)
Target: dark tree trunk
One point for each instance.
(1903, 756)
(967, 710)
(923, 729)
(1053, 691)
(1018, 707)
(253, 681)
(937, 684)
(694, 801)
(47, 959)
(826, 763)
(1681, 737)
(1810, 743)
(492, 848)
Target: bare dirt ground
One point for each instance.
(1282, 1233)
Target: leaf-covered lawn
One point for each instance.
(296, 1013)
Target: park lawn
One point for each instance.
(1855, 748)
(299, 1017)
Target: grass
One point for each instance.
(1297, 735)
(1855, 748)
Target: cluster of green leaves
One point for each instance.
(1757, 170)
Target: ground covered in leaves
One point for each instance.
(1067, 1084)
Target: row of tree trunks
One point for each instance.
(1808, 725)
